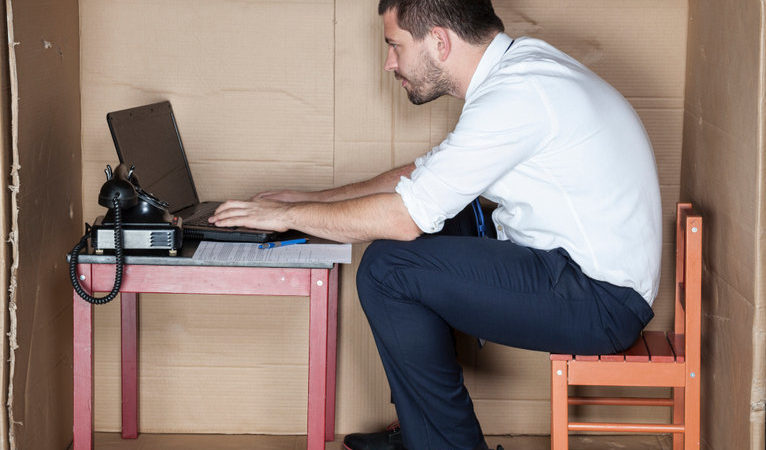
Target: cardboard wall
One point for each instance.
(49, 218)
(723, 156)
(293, 95)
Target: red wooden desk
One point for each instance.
(319, 283)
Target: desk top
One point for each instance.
(185, 258)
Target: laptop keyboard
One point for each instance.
(200, 220)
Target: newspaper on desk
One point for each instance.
(245, 252)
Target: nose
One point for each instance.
(391, 64)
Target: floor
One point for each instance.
(112, 441)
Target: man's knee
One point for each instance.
(372, 265)
(381, 258)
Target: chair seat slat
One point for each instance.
(659, 347)
(615, 357)
(638, 351)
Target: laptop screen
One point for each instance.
(148, 138)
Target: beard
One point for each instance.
(428, 83)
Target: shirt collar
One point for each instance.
(491, 57)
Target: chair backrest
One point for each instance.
(689, 281)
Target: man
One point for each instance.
(575, 266)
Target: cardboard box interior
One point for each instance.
(267, 121)
(293, 95)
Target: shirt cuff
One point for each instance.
(427, 217)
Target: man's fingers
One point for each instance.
(228, 214)
(259, 213)
(229, 205)
(231, 222)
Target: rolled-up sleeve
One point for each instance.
(424, 203)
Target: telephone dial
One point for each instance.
(136, 222)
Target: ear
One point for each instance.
(442, 41)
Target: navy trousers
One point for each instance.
(414, 294)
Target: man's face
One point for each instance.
(413, 64)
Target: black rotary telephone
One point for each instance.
(136, 221)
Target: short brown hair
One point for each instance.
(474, 21)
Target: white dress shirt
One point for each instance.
(564, 156)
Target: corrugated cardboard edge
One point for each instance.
(14, 216)
(5, 151)
(758, 396)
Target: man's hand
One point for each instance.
(258, 213)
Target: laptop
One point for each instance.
(147, 137)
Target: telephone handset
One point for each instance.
(136, 221)
(140, 207)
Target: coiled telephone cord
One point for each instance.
(117, 252)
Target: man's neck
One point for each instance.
(463, 63)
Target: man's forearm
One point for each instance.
(383, 183)
(377, 216)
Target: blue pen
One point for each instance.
(282, 243)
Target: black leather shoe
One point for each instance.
(391, 439)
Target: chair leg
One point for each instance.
(692, 414)
(678, 417)
(559, 406)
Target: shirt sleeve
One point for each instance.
(495, 133)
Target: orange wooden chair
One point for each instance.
(656, 359)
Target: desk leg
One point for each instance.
(318, 302)
(129, 326)
(332, 341)
(82, 363)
